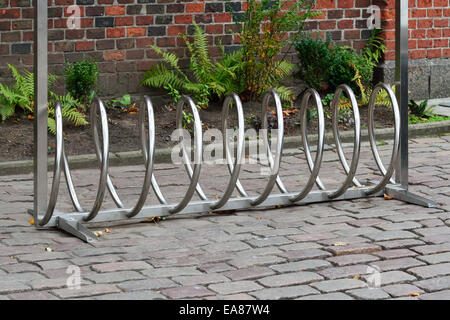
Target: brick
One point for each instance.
(338, 285)
(113, 55)
(115, 10)
(234, 287)
(171, 272)
(84, 46)
(35, 257)
(294, 255)
(284, 292)
(395, 264)
(194, 7)
(32, 295)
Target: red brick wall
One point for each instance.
(116, 32)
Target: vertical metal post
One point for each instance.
(401, 80)
(40, 107)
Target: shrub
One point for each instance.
(81, 78)
(320, 63)
(21, 94)
(266, 28)
(315, 58)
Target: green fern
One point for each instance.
(21, 94)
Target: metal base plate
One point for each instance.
(400, 193)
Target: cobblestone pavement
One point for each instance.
(321, 251)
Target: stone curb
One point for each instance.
(164, 155)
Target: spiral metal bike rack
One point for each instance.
(46, 216)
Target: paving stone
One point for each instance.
(85, 291)
(440, 295)
(300, 265)
(338, 285)
(215, 267)
(270, 241)
(398, 244)
(344, 248)
(391, 277)
(234, 287)
(249, 273)
(434, 284)
(35, 257)
(171, 272)
(436, 258)
(295, 255)
(112, 277)
(32, 295)
(287, 279)
(352, 259)
(443, 230)
(135, 295)
(121, 266)
(441, 269)
(200, 279)
(147, 284)
(226, 246)
(46, 284)
(401, 290)
(431, 249)
(186, 292)
(12, 286)
(284, 292)
(395, 253)
(390, 235)
(328, 296)
(396, 264)
(245, 262)
(406, 225)
(369, 293)
(344, 272)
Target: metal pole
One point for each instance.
(401, 80)
(40, 108)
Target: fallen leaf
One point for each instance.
(49, 249)
(31, 221)
(340, 244)
(12, 257)
(107, 230)
(356, 277)
(30, 117)
(387, 197)
(259, 218)
(98, 233)
(153, 219)
(415, 294)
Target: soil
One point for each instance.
(16, 133)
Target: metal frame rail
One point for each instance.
(44, 211)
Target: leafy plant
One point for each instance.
(209, 79)
(124, 101)
(266, 28)
(81, 78)
(315, 57)
(374, 48)
(320, 64)
(21, 94)
(420, 109)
